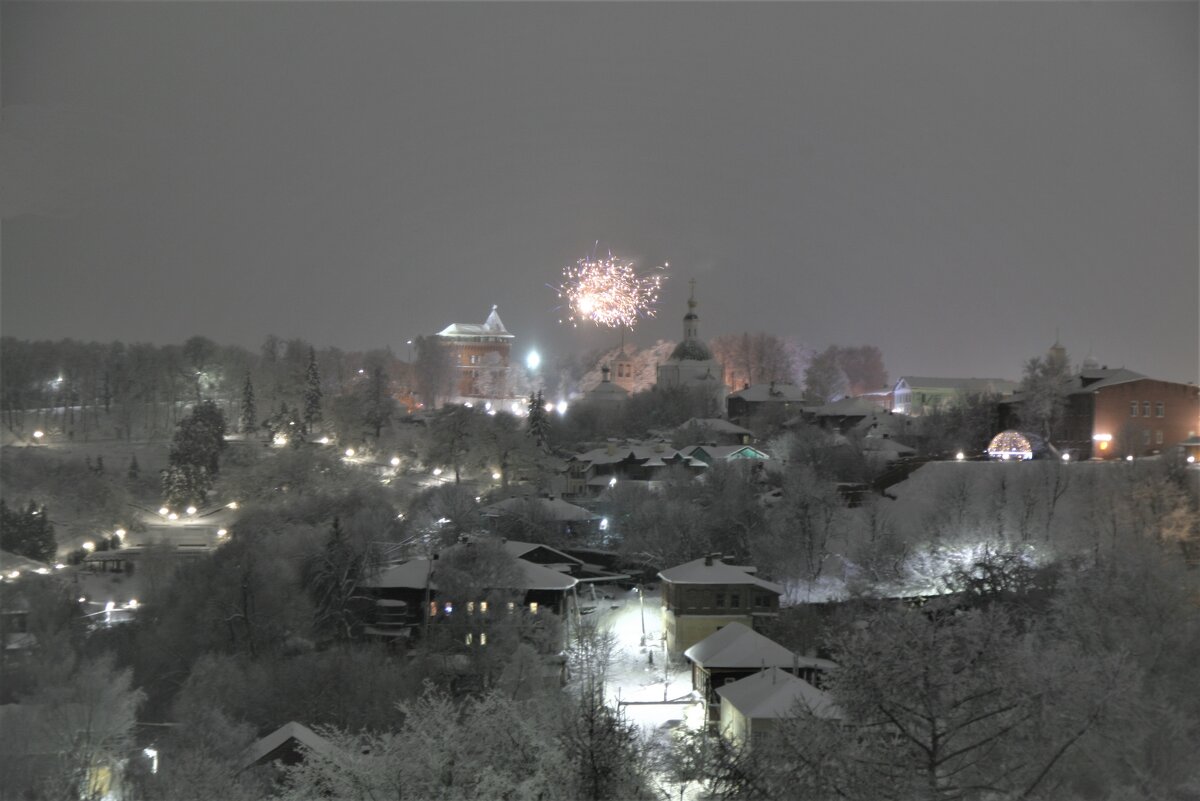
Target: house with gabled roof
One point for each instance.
(725, 453)
(1112, 413)
(751, 708)
(736, 651)
(713, 431)
(754, 398)
(590, 473)
(708, 593)
(406, 595)
(286, 745)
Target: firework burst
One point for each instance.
(608, 292)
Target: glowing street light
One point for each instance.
(39, 434)
(561, 407)
(164, 511)
(395, 461)
(495, 476)
(349, 452)
(232, 505)
(1066, 457)
(191, 510)
(437, 471)
(172, 516)
(88, 546)
(533, 361)
(960, 456)
(1191, 460)
(222, 533)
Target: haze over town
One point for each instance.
(599, 401)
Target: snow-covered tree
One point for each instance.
(312, 392)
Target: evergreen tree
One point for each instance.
(29, 533)
(312, 392)
(194, 459)
(332, 577)
(378, 411)
(249, 410)
(539, 421)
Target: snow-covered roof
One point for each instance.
(775, 693)
(735, 645)
(999, 386)
(885, 445)
(845, 407)
(607, 390)
(716, 425)
(1098, 378)
(492, 327)
(638, 453)
(10, 561)
(519, 549)
(413, 574)
(718, 453)
(714, 571)
(288, 731)
(553, 508)
(538, 577)
(776, 393)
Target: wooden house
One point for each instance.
(708, 593)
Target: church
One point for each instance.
(692, 363)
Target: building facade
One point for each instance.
(706, 594)
(480, 356)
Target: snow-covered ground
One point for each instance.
(652, 691)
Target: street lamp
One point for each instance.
(533, 361)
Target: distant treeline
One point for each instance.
(140, 389)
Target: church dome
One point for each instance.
(691, 350)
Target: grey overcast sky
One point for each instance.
(949, 181)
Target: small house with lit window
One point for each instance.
(752, 708)
(404, 597)
(736, 651)
(706, 594)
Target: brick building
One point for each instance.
(480, 357)
(1113, 413)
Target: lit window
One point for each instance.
(1133, 407)
(449, 607)
(470, 607)
(511, 606)
(1158, 409)
(1158, 438)
(470, 638)
(1145, 408)
(433, 608)
(533, 606)
(483, 607)
(483, 638)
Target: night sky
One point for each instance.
(949, 181)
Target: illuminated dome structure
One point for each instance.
(1015, 445)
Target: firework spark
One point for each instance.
(608, 292)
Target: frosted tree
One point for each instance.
(249, 416)
(1044, 392)
(312, 392)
